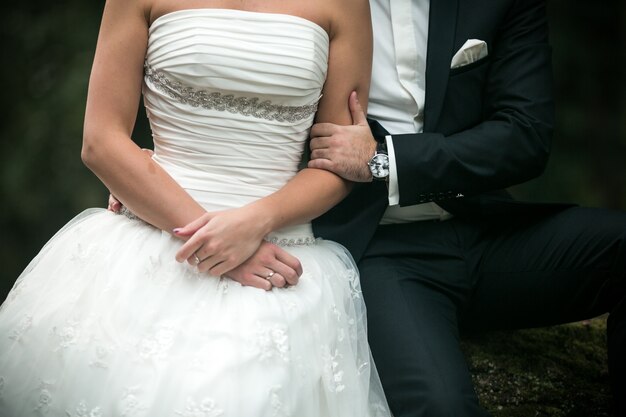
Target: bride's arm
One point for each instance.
(312, 191)
(112, 103)
(225, 239)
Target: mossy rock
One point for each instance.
(558, 371)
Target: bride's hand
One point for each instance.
(270, 266)
(114, 204)
(221, 241)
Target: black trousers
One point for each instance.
(424, 281)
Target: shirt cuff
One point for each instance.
(394, 189)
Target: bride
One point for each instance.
(134, 315)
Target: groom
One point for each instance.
(462, 107)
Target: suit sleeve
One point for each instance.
(510, 143)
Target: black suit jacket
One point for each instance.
(487, 125)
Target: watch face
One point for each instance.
(379, 165)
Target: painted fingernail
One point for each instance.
(177, 230)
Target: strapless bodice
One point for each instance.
(231, 96)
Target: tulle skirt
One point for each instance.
(104, 322)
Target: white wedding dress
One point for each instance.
(104, 322)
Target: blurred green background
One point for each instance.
(47, 52)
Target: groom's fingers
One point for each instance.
(323, 130)
(325, 164)
(321, 154)
(321, 142)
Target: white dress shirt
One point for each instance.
(398, 86)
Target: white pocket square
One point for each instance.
(471, 51)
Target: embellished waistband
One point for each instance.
(247, 106)
(298, 235)
(297, 241)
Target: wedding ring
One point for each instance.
(270, 275)
(195, 257)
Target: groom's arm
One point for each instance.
(508, 145)
(512, 143)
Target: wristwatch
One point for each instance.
(379, 163)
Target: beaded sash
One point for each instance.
(247, 106)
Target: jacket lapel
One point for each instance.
(441, 31)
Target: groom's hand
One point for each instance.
(344, 150)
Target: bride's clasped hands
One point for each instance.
(222, 243)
